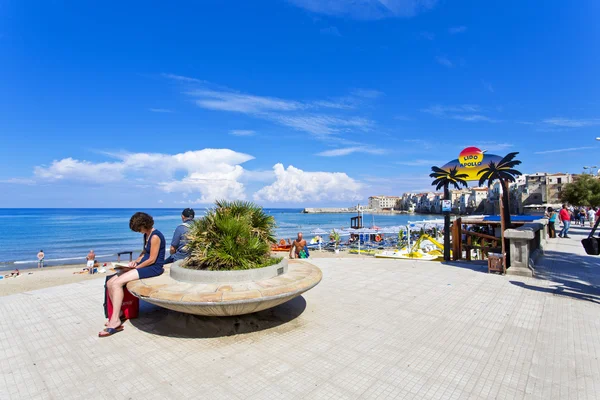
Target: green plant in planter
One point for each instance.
(234, 235)
(335, 237)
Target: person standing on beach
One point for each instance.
(565, 217)
(91, 258)
(180, 240)
(147, 265)
(40, 257)
(298, 245)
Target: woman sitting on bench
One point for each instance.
(148, 264)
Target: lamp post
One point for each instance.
(590, 169)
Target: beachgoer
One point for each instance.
(298, 245)
(91, 260)
(565, 217)
(13, 274)
(582, 216)
(592, 215)
(551, 215)
(148, 264)
(40, 257)
(180, 240)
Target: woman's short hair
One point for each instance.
(140, 221)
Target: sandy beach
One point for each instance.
(34, 279)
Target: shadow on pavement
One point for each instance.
(475, 265)
(561, 290)
(572, 275)
(163, 322)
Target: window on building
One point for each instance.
(559, 181)
(558, 188)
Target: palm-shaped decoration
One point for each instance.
(445, 178)
(504, 172)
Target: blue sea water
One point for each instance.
(67, 234)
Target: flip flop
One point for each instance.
(110, 331)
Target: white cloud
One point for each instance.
(322, 125)
(457, 29)
(564, 150)
(440, 110)
(366, 9)
(490, 146)
(418, 163)
(572, 123)
(313, 117)
(444, 61)
(160, 110)
(349, 150)
(473, 118)
(295, 185)
(244, 103)
(464, 112)
(69, 168)
(332, 30)
(18, 181)
(242, 132)
(213, 173)
(184, 79)
(367, 93)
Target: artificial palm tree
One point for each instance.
(504, 172)
(233, 235)
(445, 178)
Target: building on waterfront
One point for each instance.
(379, 203)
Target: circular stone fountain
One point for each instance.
(226, 293)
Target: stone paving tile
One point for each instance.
(372, 329)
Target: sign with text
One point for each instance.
(446, 205)
(470, 161)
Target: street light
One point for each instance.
(590, 168)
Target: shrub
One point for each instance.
(234, 235)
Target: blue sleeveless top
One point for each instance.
(156, 268)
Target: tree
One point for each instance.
(585, 191)
(504, 172)
(232, 236)
(444, 178)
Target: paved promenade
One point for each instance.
(373, 329)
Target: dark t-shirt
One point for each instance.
(180, 240)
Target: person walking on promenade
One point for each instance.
(565, 218)
(582, 216)
(180, 240)
(551, 215)
(148, 264)
(592, 216)
(40, 257)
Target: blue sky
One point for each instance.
(288, 103)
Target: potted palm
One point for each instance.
(235, 235)
(230, 244)
(335, 237)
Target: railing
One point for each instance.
(475, 240)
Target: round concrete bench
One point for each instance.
(228, 297)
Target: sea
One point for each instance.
(67, 234)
